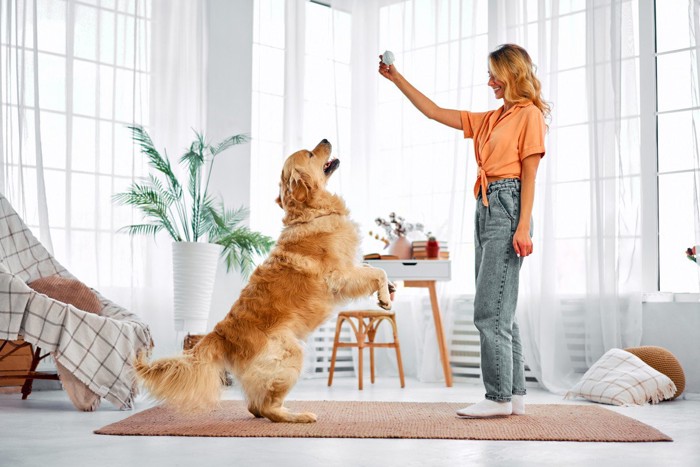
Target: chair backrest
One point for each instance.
(21, 253)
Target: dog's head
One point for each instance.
(304, 178)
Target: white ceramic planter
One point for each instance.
(194, 274)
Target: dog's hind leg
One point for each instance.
(253, 410)
(269, 378)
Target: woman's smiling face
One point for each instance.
(498, 87)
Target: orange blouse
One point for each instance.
(503, 140)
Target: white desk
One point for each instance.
(423, 273)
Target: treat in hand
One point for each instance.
(388, 57)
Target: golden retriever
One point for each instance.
(313, 267)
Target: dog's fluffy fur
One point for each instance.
(313, 267)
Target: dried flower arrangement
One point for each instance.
(395, 227)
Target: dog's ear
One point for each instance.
(278, 200)
(299, 186)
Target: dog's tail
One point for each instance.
(191, 382)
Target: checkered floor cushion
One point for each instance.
(621, 378)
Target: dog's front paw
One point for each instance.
(384, 305)
(385, 294)
(392, 291)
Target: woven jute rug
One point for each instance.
(394, 420)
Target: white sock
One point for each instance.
(518, 402)
(486, 408)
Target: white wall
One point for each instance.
(229, 93)
(675, 326)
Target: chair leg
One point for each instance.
(335, 349)
(371, 333)
(360, 337)
(399, 362)
(27, 386)
(360, 351)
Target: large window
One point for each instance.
(678, 122)
(90, 61)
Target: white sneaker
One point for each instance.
(518, 402)
(485, 409)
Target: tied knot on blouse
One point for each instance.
(502, 140)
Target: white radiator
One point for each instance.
(320, 349)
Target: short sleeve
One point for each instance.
(531, 139)
(471, 122)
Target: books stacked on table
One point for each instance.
(420, 250)
(378, 256)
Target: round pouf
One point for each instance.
(663, 361)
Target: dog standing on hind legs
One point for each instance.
(313, 267)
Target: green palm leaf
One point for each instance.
(167, 196)
(227, 143)
(142, 229)
(241, 246)
(155, 160)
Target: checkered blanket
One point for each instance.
(96, 348)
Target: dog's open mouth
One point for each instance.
(331, 166)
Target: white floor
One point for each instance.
(46, 430)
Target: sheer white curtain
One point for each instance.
(179, 72)
(20, 132)
(581, 291)
(402, 162)
(178, 108)
(73, 76)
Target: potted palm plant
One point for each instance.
(202, 228)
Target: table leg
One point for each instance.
(442, 344)
(439, 331)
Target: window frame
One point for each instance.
(649, 163)
(649, 147)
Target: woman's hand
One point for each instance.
(387, 71)
(522, 243)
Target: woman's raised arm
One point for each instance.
(427, 107)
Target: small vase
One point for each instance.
(401, 248)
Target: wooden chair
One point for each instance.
(18, 362)
(109, 338)
(364, 324)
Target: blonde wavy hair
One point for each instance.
(512, 65)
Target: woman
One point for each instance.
(508, 143)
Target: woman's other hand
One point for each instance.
(522, 243)
(387, 71)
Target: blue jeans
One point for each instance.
(497, 271)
